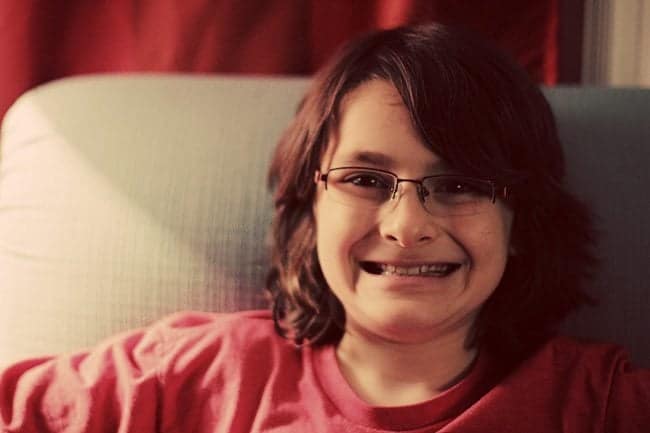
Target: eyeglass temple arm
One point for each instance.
(504, 192)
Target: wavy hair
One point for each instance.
(482, 114)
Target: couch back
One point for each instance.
(127, 197)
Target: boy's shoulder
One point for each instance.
(567, 352)
(564, 364)
(241, 333)
(252, 324)
(207, 320)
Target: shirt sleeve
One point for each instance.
(628, 407)
(114, 387)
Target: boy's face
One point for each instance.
(465, 256)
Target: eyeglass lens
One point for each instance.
(440, 195)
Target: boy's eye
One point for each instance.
(455, 186)
(368, 180)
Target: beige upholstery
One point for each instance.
(124, 198)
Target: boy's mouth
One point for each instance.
(441, 269)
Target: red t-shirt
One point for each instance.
(201, 372)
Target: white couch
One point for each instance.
(127, 197)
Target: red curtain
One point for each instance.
(41, 40)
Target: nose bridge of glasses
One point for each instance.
(417, 184)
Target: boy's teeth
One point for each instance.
(414, 270)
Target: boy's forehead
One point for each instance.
(371, 128)
(371, 92)
(387, 161)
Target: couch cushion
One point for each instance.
(605, 133)
(124, 199)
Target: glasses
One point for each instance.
(441, 195)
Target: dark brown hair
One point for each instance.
(481, 113)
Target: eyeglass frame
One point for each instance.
(496, 190)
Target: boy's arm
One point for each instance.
(112, 387)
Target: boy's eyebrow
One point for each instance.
(383, 160)
(374, 158)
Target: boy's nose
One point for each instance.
(406, 221)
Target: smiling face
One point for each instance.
(401, 273)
